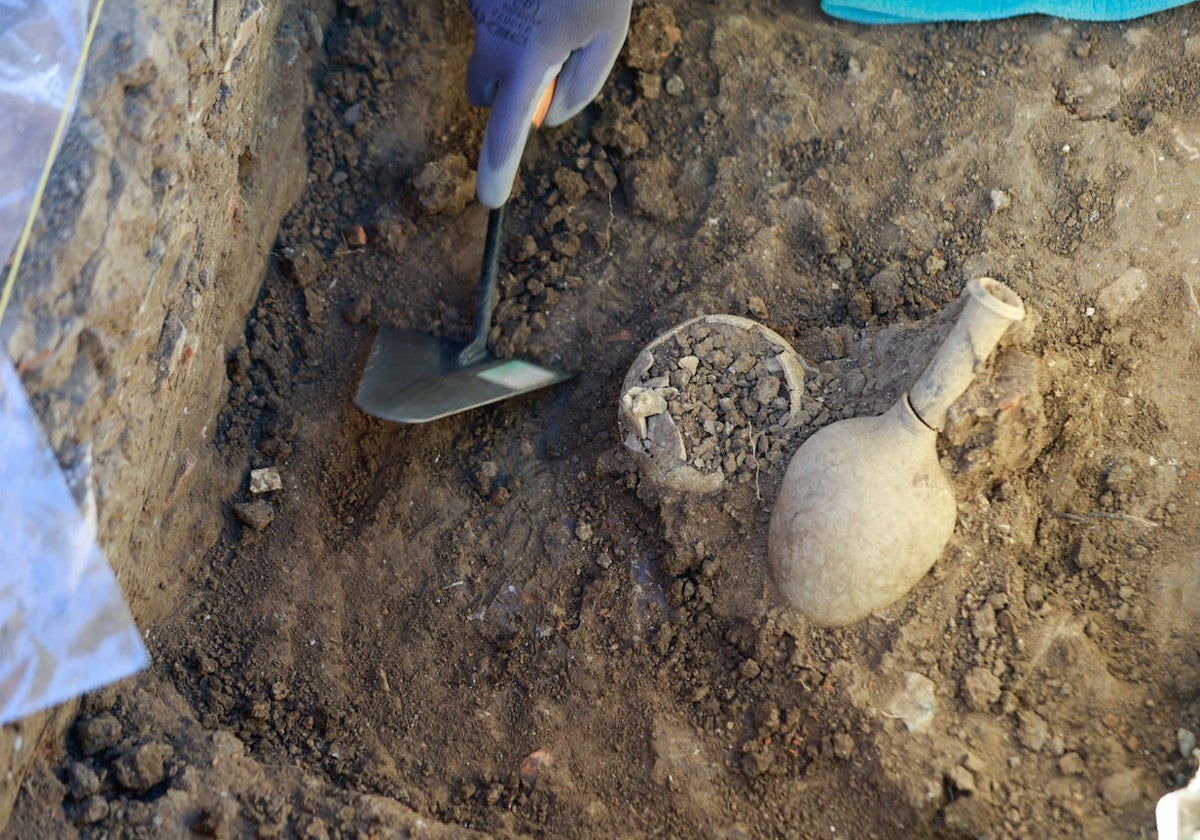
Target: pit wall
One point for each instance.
(184, 154)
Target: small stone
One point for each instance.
(565, 244)
(1121, 788)
(571, 185)
(257, 515)
(843, 746)
(312, 828)
(1186, 740)
(446, 185)
(962, 779)
(756, 764)
(606, 177)
(143, 767)
(649, 187)
(265, 480)
(1115, 299)
(525, 248)
(969, 816)
(583, 532)
(652, 38)
(322, 168)
(645, 402)
(97, 734)
(303, 265)
(980, 689)
(767, 389)
(915, 704)
(616, 129)
(674, 86)
(649, 85)
(885, 288)
(983, 623)
(766, 718)
(390, 231)
(1056, 745)
(92, 810)
(758, 307)
(1032, 730)
(1094, 93)
(357, 311)
(1086, 556)
(1035, 595)
(82, 781)
(355, 236)
(1071, 764)
(855, 383)
(535, 767)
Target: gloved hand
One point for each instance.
(520, 47)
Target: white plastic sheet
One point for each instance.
(41, 42)
(64, 627)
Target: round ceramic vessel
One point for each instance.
(670, 444)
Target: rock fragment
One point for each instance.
(980, 689)
(1121, 789)
(91, 810)
(257, 514)
(141, 768)
(652, 38)
(1032, 730)
(265, 480)
(1116, 298)
(1071, 764)
(445, 185)
(97, 734)
(82, 781)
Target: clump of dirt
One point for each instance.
(496, 623)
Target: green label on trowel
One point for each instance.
(517, 375)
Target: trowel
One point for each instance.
(412, 377)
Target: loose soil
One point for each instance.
(495, 623)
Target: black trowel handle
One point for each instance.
(488, 277)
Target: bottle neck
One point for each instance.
(991, 309)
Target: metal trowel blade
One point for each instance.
(411, 377)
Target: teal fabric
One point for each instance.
(927, 11)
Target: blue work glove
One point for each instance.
(521, 46)
(922, 11)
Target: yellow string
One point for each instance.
(63, 119)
